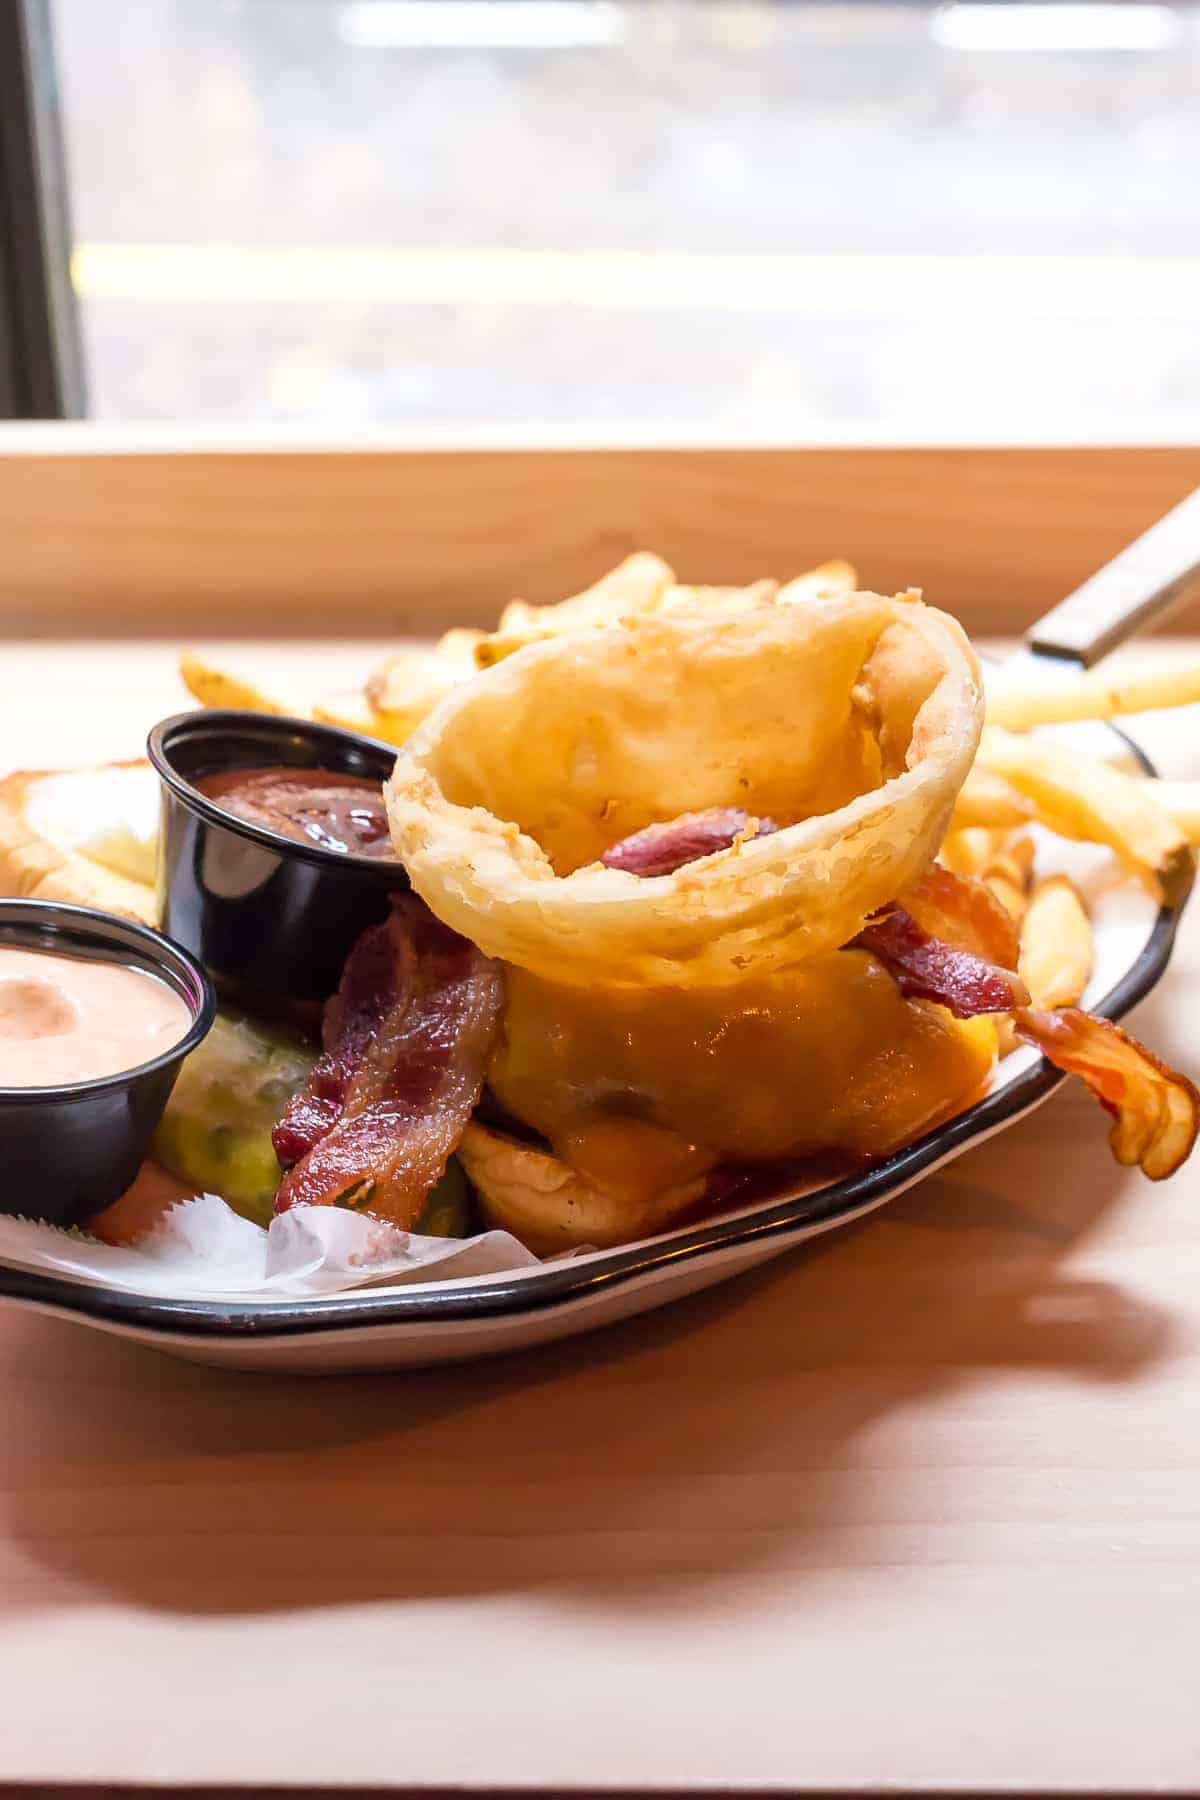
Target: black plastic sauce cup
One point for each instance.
(68, 1152)
(272, 919)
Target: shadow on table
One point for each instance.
(756, 1425)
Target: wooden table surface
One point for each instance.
(918, 1507)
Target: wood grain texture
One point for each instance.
(916, 1508)
(397, 540)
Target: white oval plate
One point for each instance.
(430, 1322)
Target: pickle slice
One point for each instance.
(216, 1130)
(450, 1209)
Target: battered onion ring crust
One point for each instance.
(852, 722)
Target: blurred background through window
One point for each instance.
(734, 214)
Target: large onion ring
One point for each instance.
(852, 721)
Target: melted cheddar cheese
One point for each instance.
(824, 1057)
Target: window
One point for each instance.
(731, 215)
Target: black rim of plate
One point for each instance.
(554, 1284)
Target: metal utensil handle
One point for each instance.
(1158, 569)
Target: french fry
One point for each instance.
(824, 582)
(354, 712)
(411, 683)
(1079, 797)
(212, 686)
(1019, 702)
(459, 644)
(724, 599)
(999, 858)
(1180, 800)
(1057, 949)
(634, 586)
(988, 799)
(969, 851)
(827, 579)
(1008, 873)
(644, 584)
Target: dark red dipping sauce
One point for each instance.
(342, 813)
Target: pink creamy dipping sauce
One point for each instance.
(67, 1019)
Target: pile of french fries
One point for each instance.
(1018, 781)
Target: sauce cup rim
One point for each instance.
(58, 916)
(217, 718)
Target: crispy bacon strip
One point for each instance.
(966, 913)
(661, 849)
(957, 955)
(377, 973)
(1155, 1110)
(952, 942)
(421, 1058)
(928, 968)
